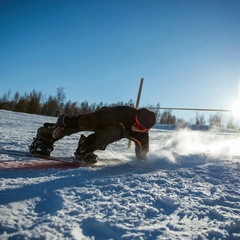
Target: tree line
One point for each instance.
(34, 103)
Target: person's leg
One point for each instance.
(43, 142)
(97, 141)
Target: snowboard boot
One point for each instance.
(42, 144)
(83, 154)
(40, 147)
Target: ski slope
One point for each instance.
(189, 188)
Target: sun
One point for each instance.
(236, 109)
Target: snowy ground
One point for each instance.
(188, 189)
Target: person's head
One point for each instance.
(144, 120)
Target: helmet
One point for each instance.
(144, 120)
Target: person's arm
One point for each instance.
(141, 141)
(141, 145)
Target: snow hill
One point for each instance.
(188, 189)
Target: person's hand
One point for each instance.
(61, 120)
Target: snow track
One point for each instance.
(188, 188)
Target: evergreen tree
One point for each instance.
(34, 102)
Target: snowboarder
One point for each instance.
(109, 124)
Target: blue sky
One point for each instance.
(187, 51)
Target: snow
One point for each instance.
(187, 189)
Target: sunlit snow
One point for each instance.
(189, 188)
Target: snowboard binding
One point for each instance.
(42, 144)
(83, 154)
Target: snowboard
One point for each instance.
(37, 161)
(26, 160)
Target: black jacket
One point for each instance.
(124, 117)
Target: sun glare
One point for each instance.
(236, 106)
(236, 109)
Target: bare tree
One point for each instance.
(200, 120)
(215, 120)
(167, 118)
(231, 124)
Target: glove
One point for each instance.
(61, 121)
(67, 122)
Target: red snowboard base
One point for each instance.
(38, 164)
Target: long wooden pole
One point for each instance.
(138, 101)
(139, 92)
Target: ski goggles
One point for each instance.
(138, 127)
